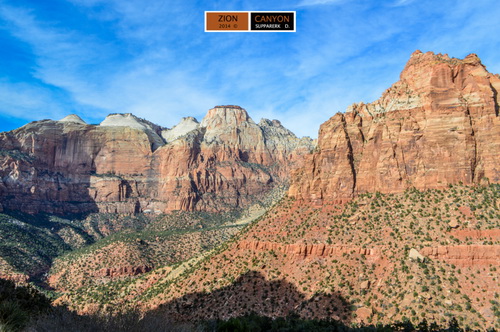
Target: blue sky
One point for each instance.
(153, 58)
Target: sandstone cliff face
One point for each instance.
(70, 167)
(225, 161)
(300, 251)
(438, 124)
(125, 164)
(465, 255)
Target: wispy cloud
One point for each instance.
(61, 56)
(307, 3)
(29, 102)
(398, 3)
(147, 84)
(153, 58)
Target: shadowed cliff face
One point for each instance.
(124, 165)
(439, 124)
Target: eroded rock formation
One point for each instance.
(438, 124)
(465, 255)
(305, 250)
(127, 164)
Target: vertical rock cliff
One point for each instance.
(225, 161)
(127, 164)
(438, 124)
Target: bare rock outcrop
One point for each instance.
(298, 250)
(476, 234)
(187, 125)
(415, 255)
(128, 165)
(465, 255)
(123, 271)
(439, 124)
(73, 118)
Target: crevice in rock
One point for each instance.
(474, 159)
(495, 99)
(360, 128)
(350, 154)
(393, 147)
(405, 170)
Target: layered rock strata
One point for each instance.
(465, 255)
(439, 124)
(305, 250)
(127, 164)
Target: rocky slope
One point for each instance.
(355, 263)
(29, 244)
(129, 165)
(438, 124)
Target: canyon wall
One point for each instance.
(439, 124)
(127, 164)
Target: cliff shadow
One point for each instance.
(252, 293)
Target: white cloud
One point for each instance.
(61, 56)
(29, 102)
(85, 67)
(306, 3)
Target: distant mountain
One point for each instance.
(128, 165)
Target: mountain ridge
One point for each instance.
(124, 165)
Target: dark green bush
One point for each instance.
(18, 304)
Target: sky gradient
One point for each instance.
(153, 59)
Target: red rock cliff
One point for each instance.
(465, 255)
(128, 165)
(438, 124)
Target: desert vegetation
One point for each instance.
(365, 260)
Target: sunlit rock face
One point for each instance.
(127, 164)
(439, 124)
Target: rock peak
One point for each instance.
(186, 125)
(438, 102)
(473, 58)
(417, 52)
(429, 59)
(267, 122)
(228, 115)
(122, 119)
(230, 106)
(152, 130)
(433, 80)
(72, 118)
(128, 120)
(189, 119)
(472, 55)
